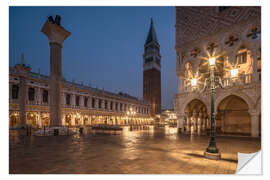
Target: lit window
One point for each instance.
(241, 58)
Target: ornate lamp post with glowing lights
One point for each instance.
(212, 151)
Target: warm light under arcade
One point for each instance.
(234, 72)
(212, 61)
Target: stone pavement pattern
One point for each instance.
(141, 152)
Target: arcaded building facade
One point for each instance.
(80, 104)
(39, 100)
(233, 36)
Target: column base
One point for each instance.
(214, 156)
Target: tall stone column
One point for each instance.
(23, 70)
(56, 35)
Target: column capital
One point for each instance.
(55, 33)
(253, 113)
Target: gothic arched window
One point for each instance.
(85, 101)
(31, 94)
(241, 56)
(121, 106)
(45, 96)
(111, 105)
(99, 103)
(116, 106)
(77, 100)
(68, 99)
(93, 103)
(106, 103)
(15, 91)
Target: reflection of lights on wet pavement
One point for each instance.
(157, 150)
(170, 130)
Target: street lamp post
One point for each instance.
(212, 151)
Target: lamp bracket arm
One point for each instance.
(220, 83)
(205, 85)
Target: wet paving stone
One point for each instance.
(132, 152)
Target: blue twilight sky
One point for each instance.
(105, 46)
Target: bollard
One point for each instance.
(56, 132)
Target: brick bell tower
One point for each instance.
(151, 72)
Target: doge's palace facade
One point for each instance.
(233, 35)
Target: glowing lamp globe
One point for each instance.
(234, 72)
(194, 82)
(212, 61)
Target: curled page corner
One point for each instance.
(249, 163)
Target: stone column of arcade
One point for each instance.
(194, 122)
(188, 123)
(56, 35)
(199, 123)
(203, 122)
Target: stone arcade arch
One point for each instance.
(14, 119)
(196, 119)
(68, 120)
(233, 116)
(31, 119)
